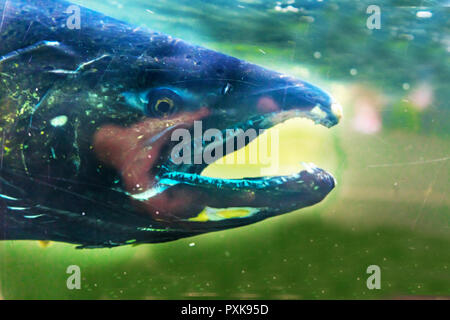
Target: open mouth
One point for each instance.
(170, 187)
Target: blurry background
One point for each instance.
(390, 155)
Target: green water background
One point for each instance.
(391, 207)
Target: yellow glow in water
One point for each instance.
(299, 140)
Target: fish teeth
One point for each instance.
(311, 167)
(314, 168)
(308, 167)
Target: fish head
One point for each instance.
(110, 128)
(193, 103)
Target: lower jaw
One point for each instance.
(255, 183)
(191, 197)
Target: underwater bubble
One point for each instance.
(405, 36)
(424, 14)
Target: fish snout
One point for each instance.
(300, 99)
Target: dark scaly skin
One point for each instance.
(75, 182)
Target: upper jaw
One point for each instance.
(327, 117)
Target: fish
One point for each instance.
(89, 120)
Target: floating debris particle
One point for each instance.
(59, 121)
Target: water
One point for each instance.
(390, 155)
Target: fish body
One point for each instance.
(88, 117)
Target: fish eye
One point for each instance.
(162, 102)
(164, 105)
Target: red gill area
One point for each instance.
(133, 152)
